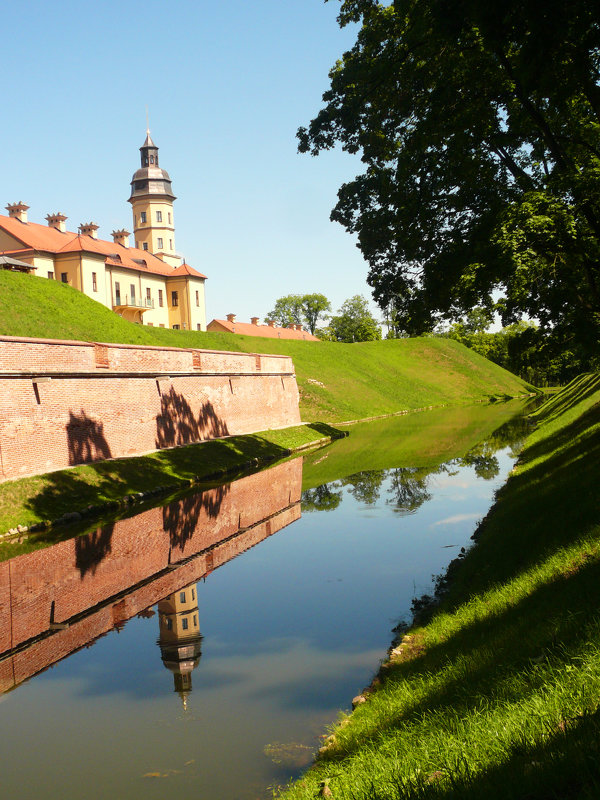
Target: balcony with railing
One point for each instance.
(125, 301)
(130, 307)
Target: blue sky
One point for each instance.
(227, 85)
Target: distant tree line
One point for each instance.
(352, 323)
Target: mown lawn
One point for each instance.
(495, 692)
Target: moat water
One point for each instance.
(203, 647)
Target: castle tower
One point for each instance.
(180, 637)
(152, 203)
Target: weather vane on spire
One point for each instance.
(147, 121)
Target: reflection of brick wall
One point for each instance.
(60, 404)
(136, 569)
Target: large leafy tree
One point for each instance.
(353, 322)
(302, 309)
(479, 128)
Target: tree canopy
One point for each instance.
(479, 128)
(302, 309)
(353, 323)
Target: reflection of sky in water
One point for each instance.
(292, 630)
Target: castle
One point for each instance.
(149, 284)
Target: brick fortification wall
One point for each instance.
(99, 580)
(65, 403)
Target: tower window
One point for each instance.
(182, 597)
(169, 216)
(159, 242)
(159, 216)
(174, 298)
(143, 217)
(145, 245)
(170, 244)
(184, 623)
(152, 159)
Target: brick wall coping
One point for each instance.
(75, 343)
(151, 375)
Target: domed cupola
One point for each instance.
(150, 179)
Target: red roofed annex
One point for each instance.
(150, 283)
(252, 328)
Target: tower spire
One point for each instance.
(152, 204)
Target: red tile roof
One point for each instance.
(185, 269)
(268, 331)
(49, 240)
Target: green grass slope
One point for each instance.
(497, 695)
(337, 381)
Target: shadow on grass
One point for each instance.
(539, 510)
(575, 392)
(563, 437)
(532, 640)
(562, 767)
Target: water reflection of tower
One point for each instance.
(180, 638)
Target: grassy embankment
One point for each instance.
(336, 381)
(497, 694)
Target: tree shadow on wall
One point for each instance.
(180, 518)
(177, 425)
(92, 548)
(86, 440)
(86, 443)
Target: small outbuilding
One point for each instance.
(252, 328)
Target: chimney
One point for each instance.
(254, 320)
(271, 323)
(121, 237)
(292, 326)
(17, 211)
(57, 221)
(89, 229)
(230, 317)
